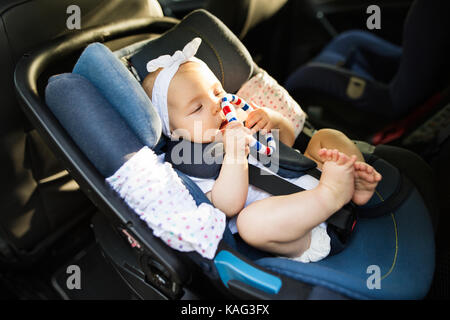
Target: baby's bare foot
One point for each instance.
(366, 180)
(338, 175)
(331, 155)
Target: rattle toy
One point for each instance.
(230, 113)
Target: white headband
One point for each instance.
(170, 65)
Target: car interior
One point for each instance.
(387, 89)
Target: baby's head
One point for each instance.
(191, 104)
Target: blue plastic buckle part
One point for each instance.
(231, 267)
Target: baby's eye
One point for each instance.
(218, 92)
(198, 108)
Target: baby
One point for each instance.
(186, 93)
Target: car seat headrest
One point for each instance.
(100, 81)
(96, 128)
(119, 87)
(221, 50)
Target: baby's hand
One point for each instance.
(262, 119)
(236, 139)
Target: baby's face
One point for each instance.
(193, 102)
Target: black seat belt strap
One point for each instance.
(270, 182)
(314, 172)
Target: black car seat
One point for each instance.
(241, 16)
(176, 270)
(281, 35)
(39, 201)
(360, 83)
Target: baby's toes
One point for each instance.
(371, 170)
(359, 165)
(377, 176)
(352, 161)
(323, 154)
(342, 158)
(335, 155)
(329, 155)
(363, 175)
(362, 166)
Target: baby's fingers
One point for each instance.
(259, 125)
(254, 105)
(253, 118)
(247, 131)
(233, 125)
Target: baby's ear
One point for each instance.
(147, 87)
(149, 81)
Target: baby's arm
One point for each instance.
(230, 189)
(279, 224)
(229, 192)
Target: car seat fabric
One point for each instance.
(39, 200)
(219, 48)
(81, 108)
(362, 53)
(417, 170)
(424, 67)
(318, 79)
(399, 244)
(243, 15)
(112, 79)
(397, 79)
(87, 115)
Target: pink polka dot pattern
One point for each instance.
(264, 91)
(155, 192)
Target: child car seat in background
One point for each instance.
(93, 141)
(360, 83)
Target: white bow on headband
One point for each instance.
(170, 65)
(189, 50)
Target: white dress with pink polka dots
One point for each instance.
(155, 192)
(264, 91)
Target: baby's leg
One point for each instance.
(331, 139)
(282, 224)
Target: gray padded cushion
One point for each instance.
(220, 49)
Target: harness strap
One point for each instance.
(342, 221)
(270, 182)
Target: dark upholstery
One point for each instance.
(219, 48)
(394, 80)
(32, 203)
(388, 241)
